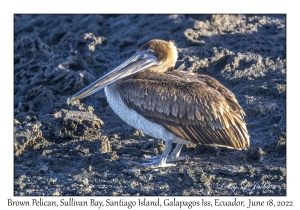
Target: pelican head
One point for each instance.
(155, 55)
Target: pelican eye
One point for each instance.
(150, 51)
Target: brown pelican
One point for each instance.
(178, 107)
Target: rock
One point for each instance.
(27, 136)
(231, 170)
(43, 169)
(105, 145)
(72, 124)
(255, 154)
(133, 172)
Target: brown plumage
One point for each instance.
(176, 106)
(194, 107)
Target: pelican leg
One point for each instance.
(175, 154)
(161, 162)
(171, 158)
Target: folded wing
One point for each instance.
(194, 107)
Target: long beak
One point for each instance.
(135, 63)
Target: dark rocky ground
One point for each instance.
(85, 149)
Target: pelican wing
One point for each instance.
(194, 107)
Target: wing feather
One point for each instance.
(194, 107)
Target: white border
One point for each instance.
(9, 8)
